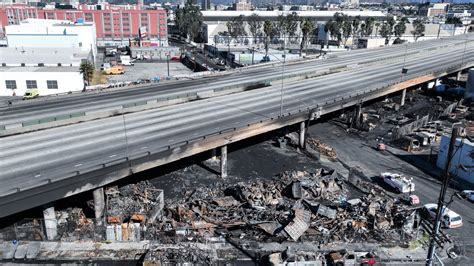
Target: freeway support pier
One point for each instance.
(50, 222)
(404, 94)
(302, 134)
(224, 161)
(99, 205)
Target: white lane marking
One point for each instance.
(79, 164)
(216, 127)
(142, 148)
(37, 175)
(237, 122)
(171, 140)
(112, 156)
(195, 133)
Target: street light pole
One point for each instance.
(404, 62)
(464, 52)
(168, 63)
(444, 187)
(282, 79)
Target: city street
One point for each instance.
(353, 151)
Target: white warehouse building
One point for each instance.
(48, 80)
(44, 33)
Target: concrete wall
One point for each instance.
(463, 156)
(67, 81)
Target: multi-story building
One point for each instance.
(242, 5)
(114, 24)
(205, 4)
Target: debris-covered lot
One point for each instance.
(313, 206)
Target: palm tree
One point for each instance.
(307, 27)
(87, 70)
(377, 25)
(269, 31)
(255, 23)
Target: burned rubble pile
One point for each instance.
(296, 205)
(324, 149)
(74, 225)
(137, 202)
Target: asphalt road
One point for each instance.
(65, 105)
(30, 158)
(356, 151)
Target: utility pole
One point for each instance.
(282, 77)
(444, 187)
(168, 62)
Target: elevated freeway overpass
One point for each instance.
(57, 111)
(42, 166)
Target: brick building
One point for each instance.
(114, 24)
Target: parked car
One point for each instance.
(411, 200)
(115, 70)
(449, 218)
(30, 94)
(468, 194)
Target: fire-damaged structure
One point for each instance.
(296, 206)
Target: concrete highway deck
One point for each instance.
(53, 160)
(88, 106)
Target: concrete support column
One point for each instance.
(404, 94)
(458, 75)
(50, 222)
(213, 154)
(224, 161)
(302, 135)
(99, 205)
(358, 115)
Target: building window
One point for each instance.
(10, 84)
(31, 84)
(52, 84)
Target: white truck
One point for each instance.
(126, 60)
(398, 182)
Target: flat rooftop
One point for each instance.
(39, 55)
(324, 15)
(39, 69)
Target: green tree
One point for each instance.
(281, 26)
(400, 27)
(454, 21)
(377, 25)
(188, 20)
(236, 27)
(368, 27)
(307, 28)
(385, 32)
(291, 25)
(355, 26)
(269, 30)
(346, 28)
(255, 24)
(418, 29)
(334, 29)
(87, 70)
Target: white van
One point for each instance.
(449, 219)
